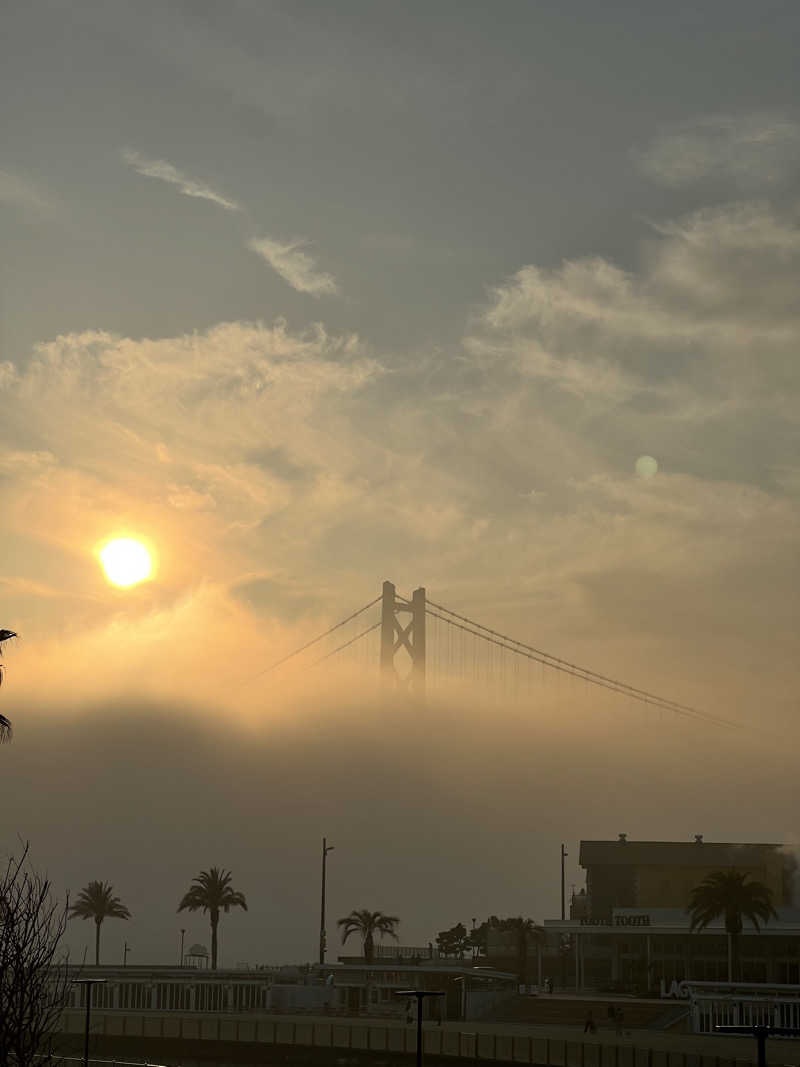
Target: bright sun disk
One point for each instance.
(126, 561)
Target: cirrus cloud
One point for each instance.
(753, 150)
(166, 172)
(297, 268)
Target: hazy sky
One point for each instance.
(309, 295)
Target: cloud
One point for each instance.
(704, 327)
(166, 172)
(296, 267)
(306, 459)
(22, 195)
(751, 150)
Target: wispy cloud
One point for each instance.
(296, 267)
(166, 172)
(752, 149)
(20, 193)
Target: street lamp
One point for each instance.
(564, 855)
(326, 848)
(125, 950)
(88, 982)
(180, 961)
(760, 1033)
(420, 994)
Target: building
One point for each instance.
(662, 874)
(468, 992)
(629, 931)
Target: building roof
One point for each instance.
(673, 853)
(458, 967)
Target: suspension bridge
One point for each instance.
(414, 644)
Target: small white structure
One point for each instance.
(197, 957)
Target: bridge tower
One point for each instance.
(397, 635)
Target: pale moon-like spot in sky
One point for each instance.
(646, 466)
(126, 561)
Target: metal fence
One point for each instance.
(460, 1044)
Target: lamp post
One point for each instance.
(125, 950)
(180, 961)
(760, 1033)
(88, 982)
(564, 855)
(420, 994)
(326, 848)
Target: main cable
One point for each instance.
(606, 683)
(547, 660)
(347, 644)
(315, 641)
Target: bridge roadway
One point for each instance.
(183, 1039)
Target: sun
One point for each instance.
(126, 562)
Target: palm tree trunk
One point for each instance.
(214, 923)
(97, 942)
(369, 948)
(539, 966)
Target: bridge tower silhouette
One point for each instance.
(398, 637)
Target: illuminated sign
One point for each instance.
(619, 920)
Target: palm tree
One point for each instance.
(729, 893)
(368, 923)
(98, 902)
(211, 891)
(526, 932)
(5, 724)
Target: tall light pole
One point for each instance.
(564, 855)
(126, 949)
(180, 961)
(88, 982)
(326, 848)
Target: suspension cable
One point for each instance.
(347, 644)
(577, 672)
(315, 641)
(547, 660)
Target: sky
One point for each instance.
(306, 296)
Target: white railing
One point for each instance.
(732, 1004)
(196, 991)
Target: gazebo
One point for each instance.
(197, 957)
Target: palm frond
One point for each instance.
(367, 923)
(729, 894)
(6, 732)
(211, 891)
(97, 901)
